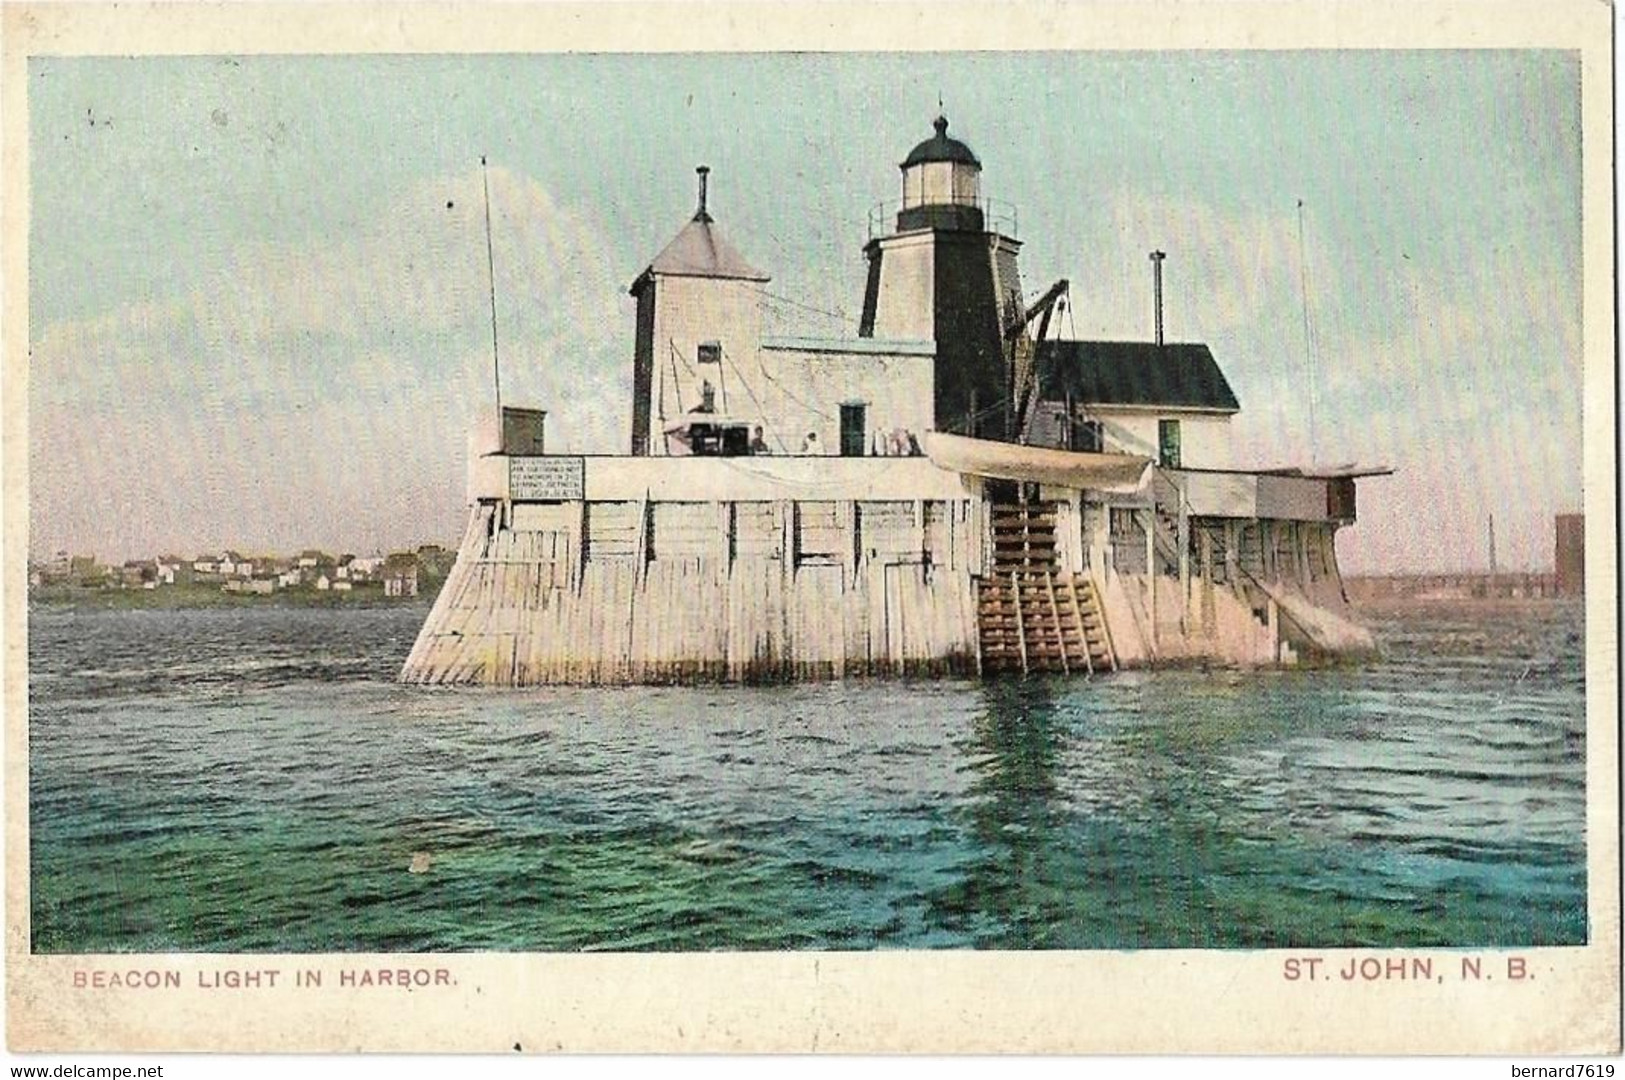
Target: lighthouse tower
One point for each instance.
(948, 274)
(698, 325)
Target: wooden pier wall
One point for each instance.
(827, 568)
(648, 592)
(1247, 591)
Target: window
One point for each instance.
(1168, 443)
(854, 438)
(710, 352)
(1087, 437)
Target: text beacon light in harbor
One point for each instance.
(948, 491)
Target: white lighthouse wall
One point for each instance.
(905, 306)
(809, 386)
(1204, 438)
(690, 311)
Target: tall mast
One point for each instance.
(491, 277)
(1308, 345)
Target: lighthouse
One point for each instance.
(946, 272)
(941, 493)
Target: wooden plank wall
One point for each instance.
(680, 592)
(1222, 613)
(651, 591)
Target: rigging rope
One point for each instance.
(760, 408)
(672, 344)
(786, 392)
(841, 317)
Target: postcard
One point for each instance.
(853, 528)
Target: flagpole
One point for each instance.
(491, 277)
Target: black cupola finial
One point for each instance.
(941, 148)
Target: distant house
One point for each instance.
(136, 573)
(310, 559)
(400, 574)
(174, 570)
(342, 586)
(233, 564)
(288, 579)
(59, 569)
(434, 560)
(323, 582)
(366, 567)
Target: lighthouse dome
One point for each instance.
(942, 185)
(940, 147)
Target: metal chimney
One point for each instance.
(704, 172)
(1156, 285)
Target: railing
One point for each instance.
(998, 215)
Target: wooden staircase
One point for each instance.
(1030, 616)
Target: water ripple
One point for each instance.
(252, 779)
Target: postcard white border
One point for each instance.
(1141, 1002)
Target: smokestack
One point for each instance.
(1494, 568)
(1156, 285)
(704, 172)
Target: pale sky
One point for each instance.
(258, 307)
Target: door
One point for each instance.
(854, 436)
(1168, 443)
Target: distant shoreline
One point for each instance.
(201, 597)
(1398, 604)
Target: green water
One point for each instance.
(253, 779)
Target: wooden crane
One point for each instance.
(1023, 347)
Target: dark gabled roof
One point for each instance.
(1182, 375)
(941, 148)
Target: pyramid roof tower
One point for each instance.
(700, 250)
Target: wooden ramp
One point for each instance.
(1031, 617)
